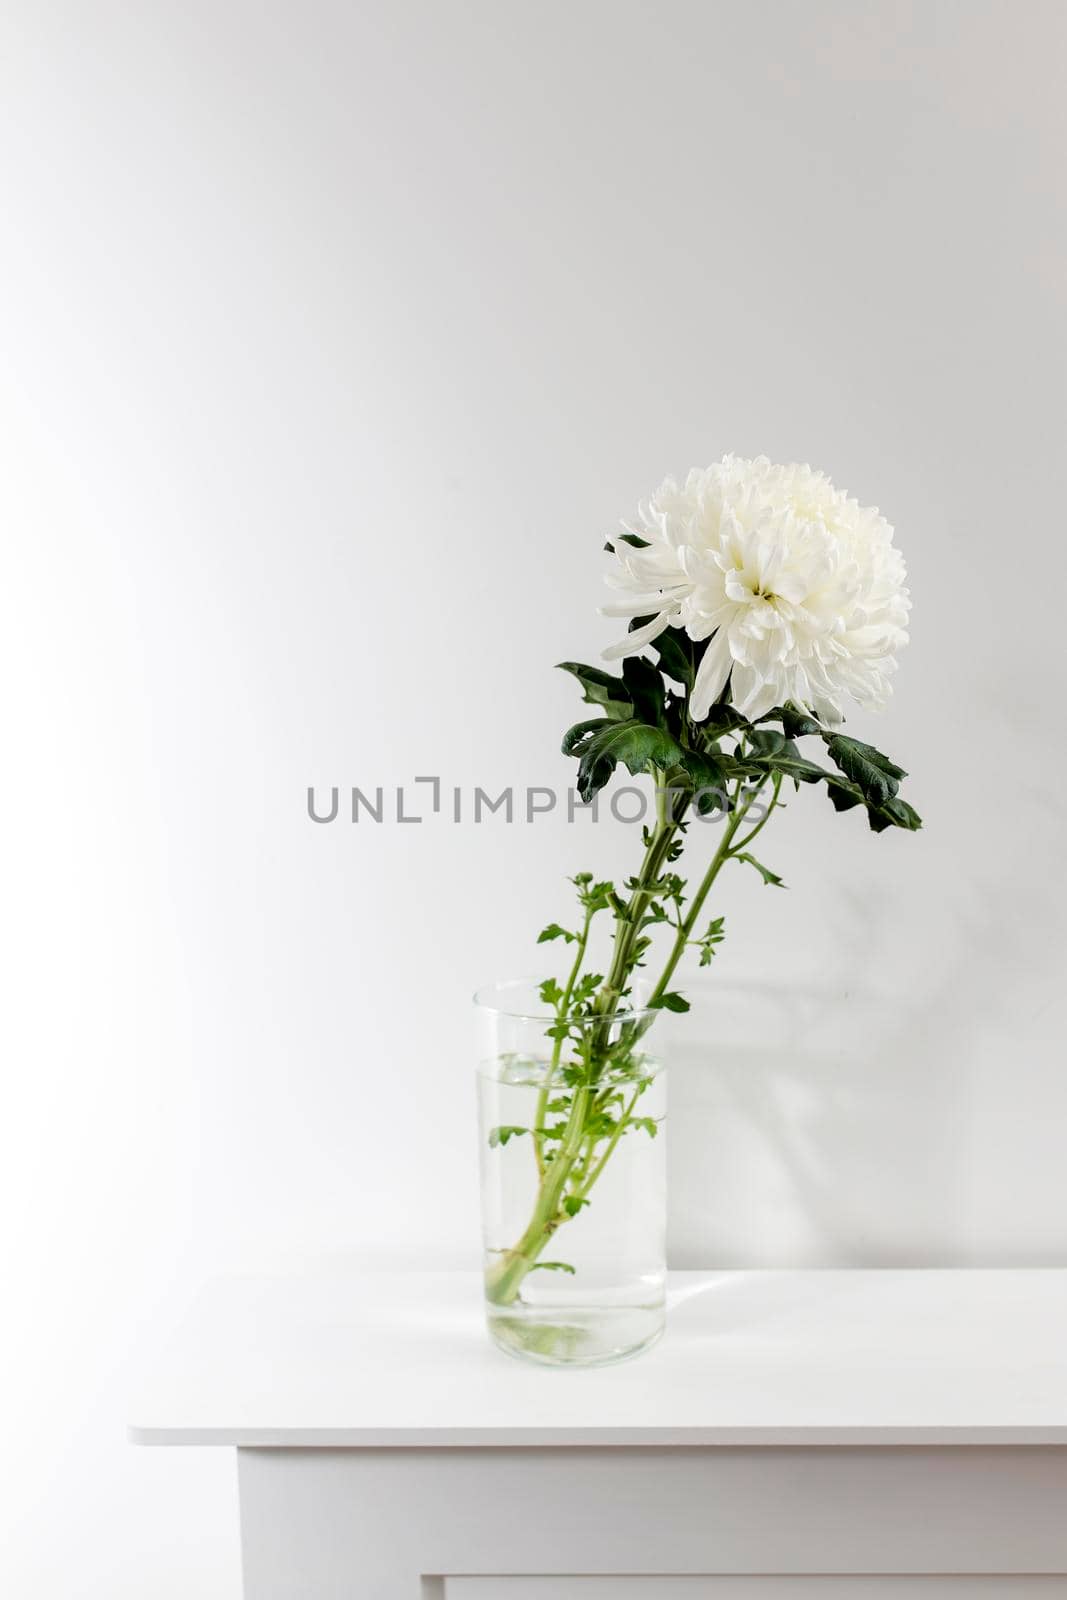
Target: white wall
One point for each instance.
(336, 338)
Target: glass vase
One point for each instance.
(573, 1179)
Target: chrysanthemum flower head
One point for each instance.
(798, 589)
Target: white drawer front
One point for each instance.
(906, 1587)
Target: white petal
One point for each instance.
(637, 640)
(760, 698)
(746, 684)
(639, 605)
(711, 677)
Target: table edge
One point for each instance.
(339, 1438)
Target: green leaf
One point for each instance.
(647, 1125)
(554, 931)
(586, 987)
(673, 1001)
(675, 653)
(550, 992)
(573, 1204)
(877, 776)
(633, 743)
(707, 944)
(672, 887)
(843, 795)
(645, 688)
(594, 896)
(594, 775)
(765, 872)
(600, 688)
(773, 752)
(505, 1132)
(795, 723)
(767, 741)
(709, 780)
(896, 813)
(723, 718)
(553, 1266)
(866, 777)
(576, 740)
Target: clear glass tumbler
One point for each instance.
(573, 1179)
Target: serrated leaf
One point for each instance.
(877, 776)
(843, 795)
(600, 688)
(554, 931)
(634, 743)
(895, 813)
(795, 723)
(550, 992)
(767, 741)
(675, 654)
(502, 1134)
(773, 752)
(645, 688)
(593, 776)
(710, 940)
(723, 718)
(765, 872)
(708, 777)
(673, 1001)
(647, 1125)
(577, 739)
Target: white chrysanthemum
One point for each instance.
(799, 588)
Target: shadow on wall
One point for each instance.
(834, 1126)
(909, 1113)
(815, 1128)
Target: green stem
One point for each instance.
(620, 1129)
(627, 929)
(553, 1067)
(718, 861)
(505, 1277)
(743, 844)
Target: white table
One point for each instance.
(840, 1435)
